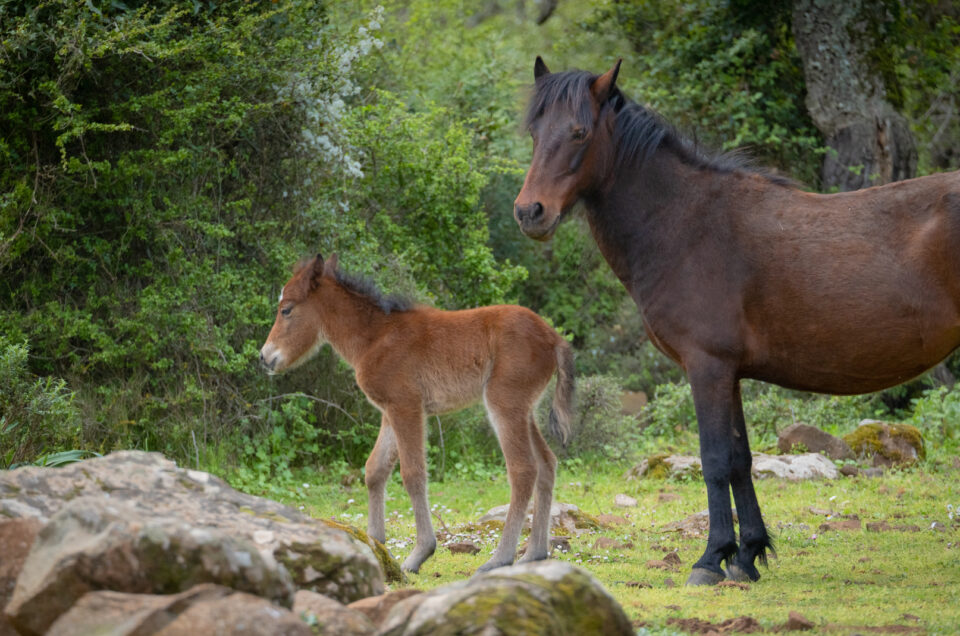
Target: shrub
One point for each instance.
(37, 414)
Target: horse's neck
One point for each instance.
(637, 221)
(351, 325)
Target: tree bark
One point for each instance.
(848, 94)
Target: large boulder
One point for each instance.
(886, 443)
(189, 506)
(812, 439)
(94, 543)
(544, 597)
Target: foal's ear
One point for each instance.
(602, 87)
(539, 68)
(330, 267)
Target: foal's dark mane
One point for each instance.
(365, 287)
(639, 131)
(387, 303)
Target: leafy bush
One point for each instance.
(937, 415)
(37, 414)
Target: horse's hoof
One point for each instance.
(736, 573)
(703, 576)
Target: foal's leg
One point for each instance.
(538, 547)
(509, 418)
(379, 466)
(407, 423)
(754, 540)
(713, 391)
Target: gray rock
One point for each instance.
(331, 617)
(204, 609)
(813, 440)
(794, 467)
(791, 467)
(16, 539)
(545, 597)
(94, 543)
(318, 557)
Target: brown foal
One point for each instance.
(412, 361)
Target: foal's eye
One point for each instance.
(286, 311)
(578, 133)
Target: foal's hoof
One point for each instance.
(703, 576)
(736, 573)
(491, 565)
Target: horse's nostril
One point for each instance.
(532, 212)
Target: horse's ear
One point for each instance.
(330, 267)
(539, 68)
(602, 87)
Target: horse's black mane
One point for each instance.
(388, 303)
(639, 130)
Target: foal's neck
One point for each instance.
(351, 323)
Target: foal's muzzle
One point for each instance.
(269, 361)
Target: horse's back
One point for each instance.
(857, 291)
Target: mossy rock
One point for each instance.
(546, 597)
(389, 565)
(887, 443)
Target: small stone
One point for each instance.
(464, 547)
(797, 622)
(624, 501)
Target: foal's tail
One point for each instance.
(562, 409)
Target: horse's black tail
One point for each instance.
(561, 411)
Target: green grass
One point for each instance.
(851, 578)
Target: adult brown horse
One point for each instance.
(412, 361)
(739, 274)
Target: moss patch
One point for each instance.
(867, 440)
(389, 565)
(657, 468)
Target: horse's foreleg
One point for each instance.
(538, 546)
(409, 430)
(514, 434)
(378, 468)
(713, 390)
(754, 540)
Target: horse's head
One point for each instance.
(298, 332)
(571, 119)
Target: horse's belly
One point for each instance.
(863, 363)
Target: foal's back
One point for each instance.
(448, 357)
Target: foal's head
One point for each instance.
(297, 332)
(571, 119)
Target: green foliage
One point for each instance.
(727, 71)
(599, 429)
(37, 414)
(165, 164)
(937, 415)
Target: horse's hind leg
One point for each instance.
(538, 546)
(713, 386)
(509, 416)
(407, 424)
(379, 466)
(754, 540)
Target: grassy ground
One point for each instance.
(905, 579)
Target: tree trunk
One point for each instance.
(849, 94)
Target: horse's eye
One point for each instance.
(579, 132)
(286, 311)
